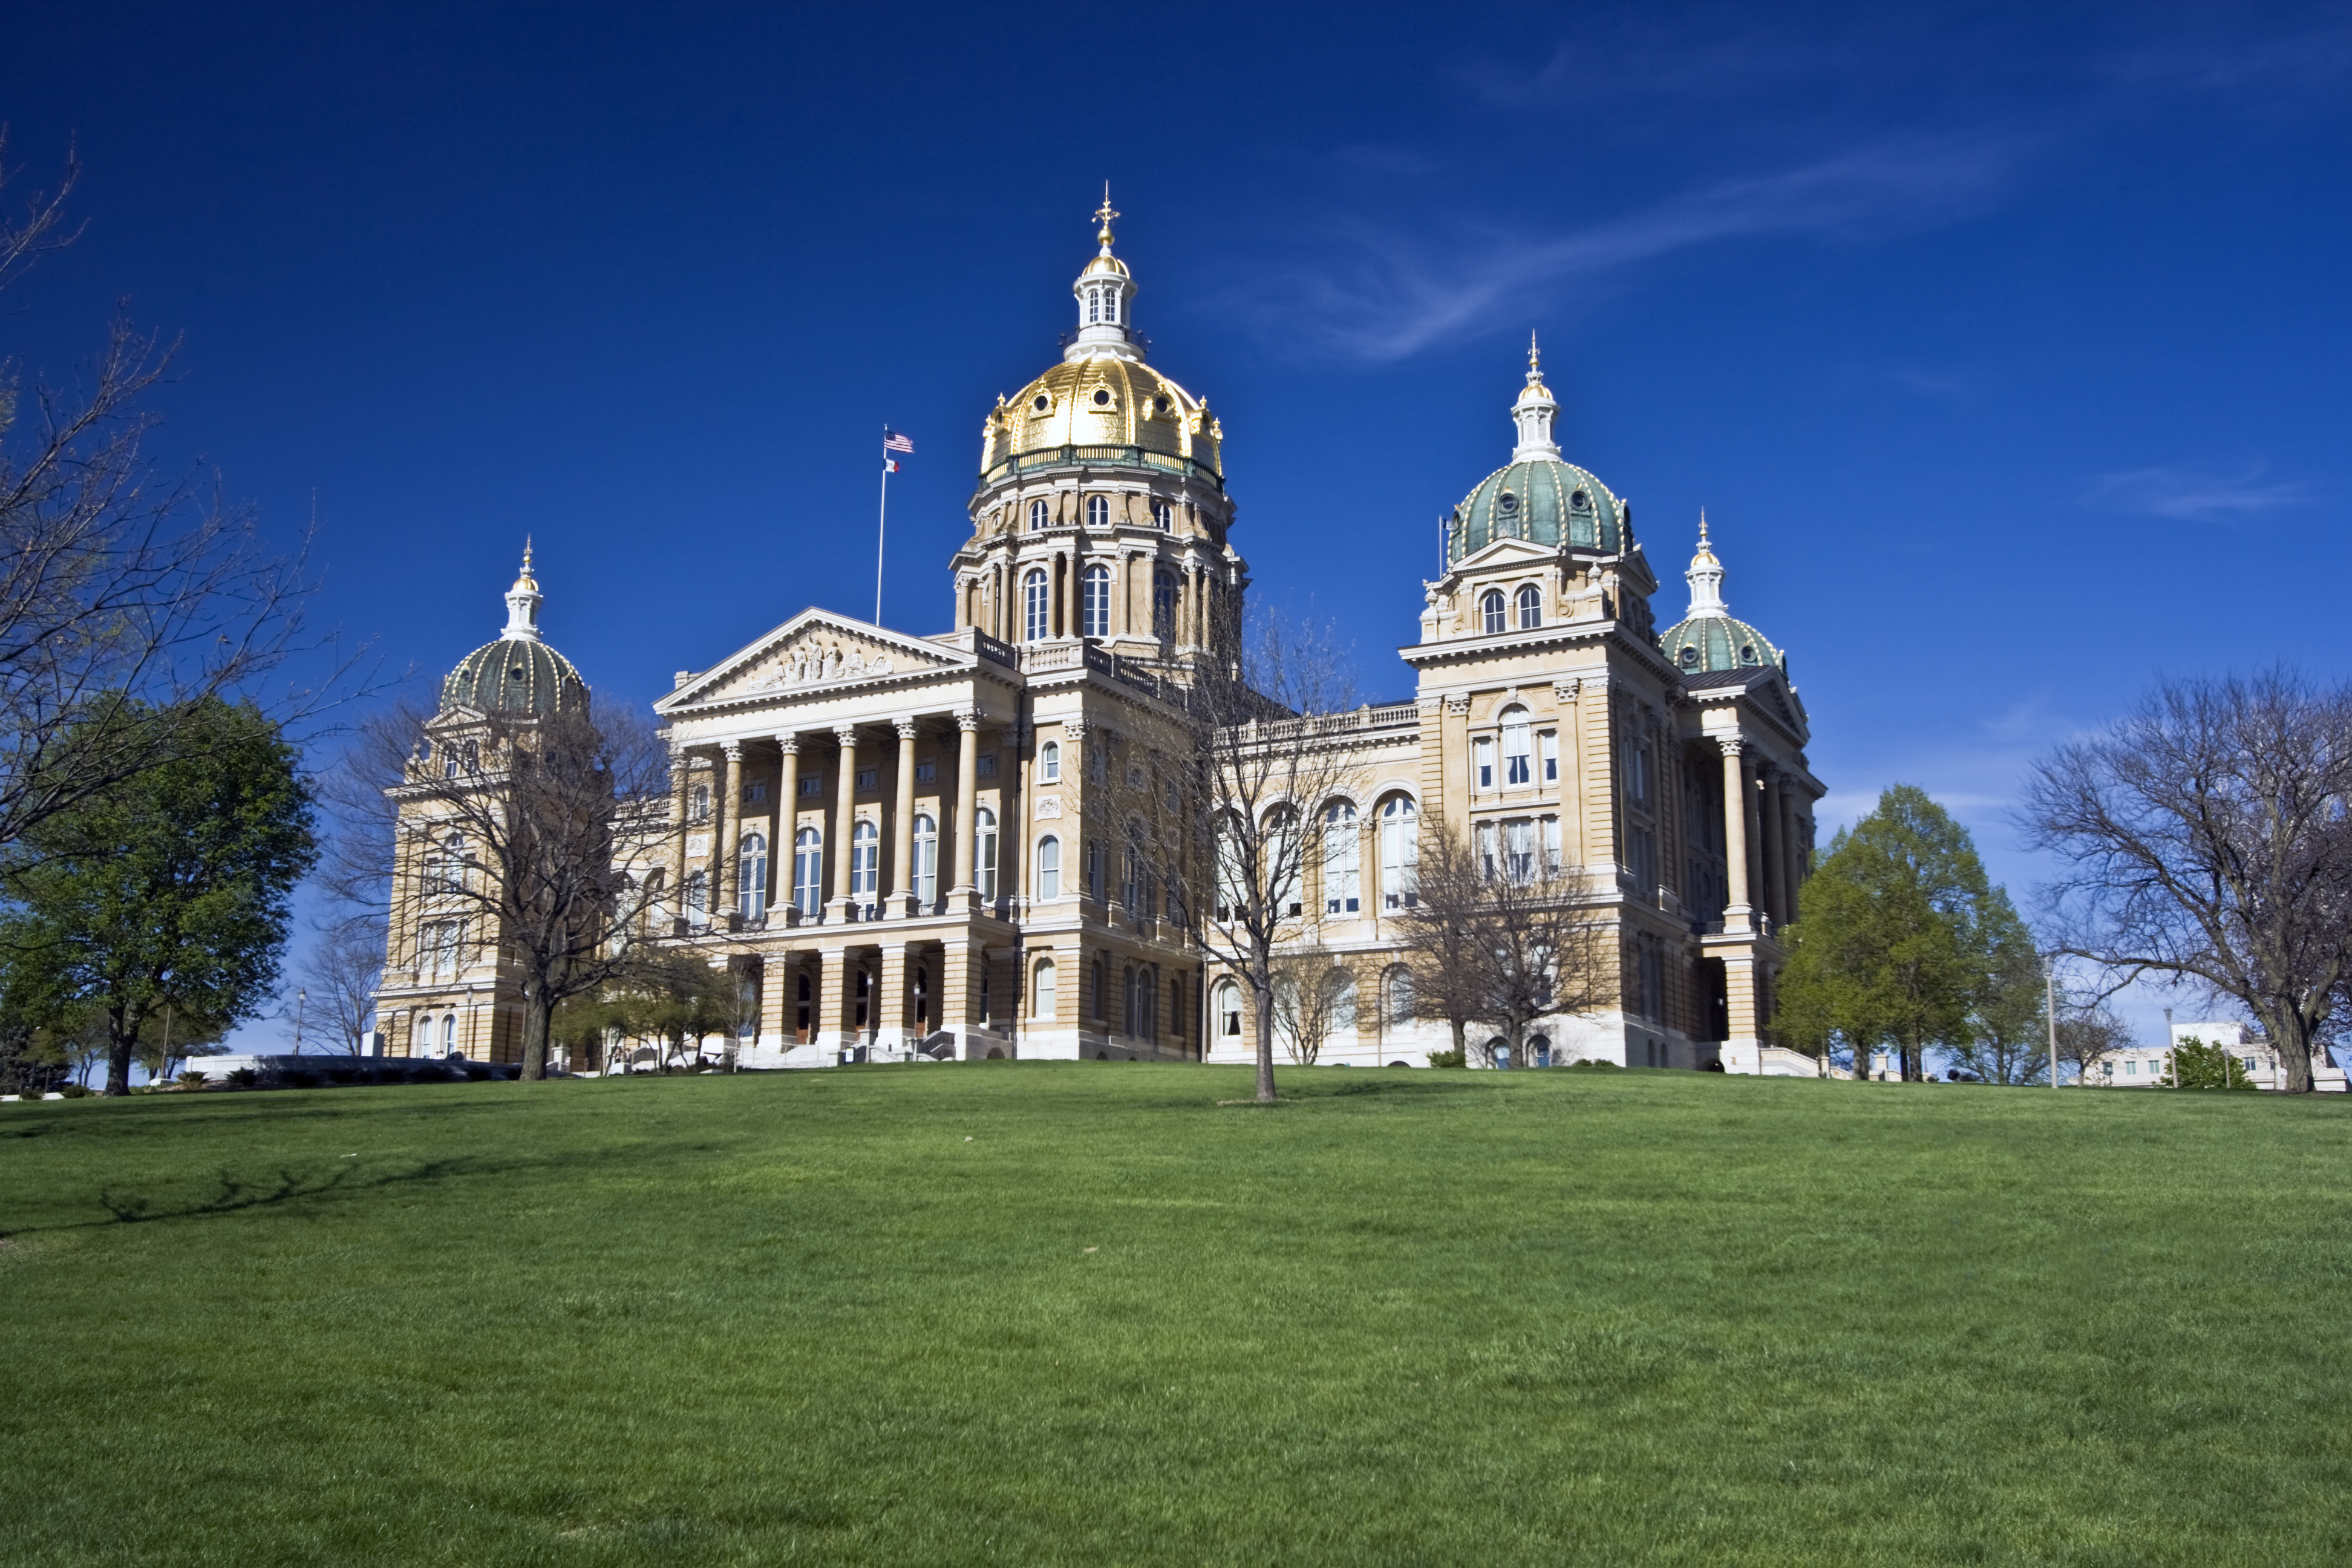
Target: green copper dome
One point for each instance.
(515, 676)
(1707, 643)
(518, 673)
(1543, 499)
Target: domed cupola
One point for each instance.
(1708, 640)
(1538, 496)
(1102, 404)
(518, 673)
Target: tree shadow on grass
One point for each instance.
(235, 1194)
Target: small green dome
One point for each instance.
(515, 675)
(1542, 500)
(1705, 644)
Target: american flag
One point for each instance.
(894, 442)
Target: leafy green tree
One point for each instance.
(669, 997)
(2008, 1034)
(169, 887)
(2196, 1065)
(1897, 936)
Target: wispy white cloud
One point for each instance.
(1379, 294)
(2191, 494)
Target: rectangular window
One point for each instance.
(1094, 870)
(1482, 764)
(1520, 848)
(756, 793)
(1548, 746)
(985, 765)
(926, 772)
(813, 784)
(869, 778)
(1487, 850)
(1551, 862)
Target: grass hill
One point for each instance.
(1087, 1314)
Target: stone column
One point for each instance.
(788, 823)
(1737, 914)
(836, 1023)
(1776, 857)
(724, 802)
(890, 1001)
(682, 784)
(1793, 859)
(967, 804)
(961, 965)
(902, 837)
(845, 829)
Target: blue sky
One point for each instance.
(2005, 347)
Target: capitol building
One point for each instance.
(903, 845)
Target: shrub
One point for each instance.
(1590, 1065)
(476, 1072)
(74, 1091)
(344, 1075)
(194, 1079)
(245, 1077)
(304, 1080)
(1447, 1059)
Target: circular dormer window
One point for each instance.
(1507, 503)
(1102, 398)
(1748, 653)
(519, 672)
(1160, 403)
(1580, 501)
(1042, 403)
(1690, 657)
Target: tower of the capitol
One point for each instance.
(1100, 513)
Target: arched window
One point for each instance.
(804, 1008)
(698, 897)
(1530, 607)
(1110, 306)
(864, 864)
(1340, 987)
(1136, 1004)
(1097, 592)
(422, 1043)
(1042, 999)
(1342, 861)
(1049, 868)
(1163, 604)
(1396, 1001)
(1162, 515)
(698, 803)
(1094, 306)
(450, 1035)
(1038, 513)
(808, 872)
(1049, 761)
(1096, 992)
(926, 861)
(1400, 853)
(1516, 768)
(1285, 860)
(1036, 604)
(751, 876)
(1098, 511)
(1232, 895)
(1228, 1009)
(1490, 607)
(984, 852)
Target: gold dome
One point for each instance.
(1103, 400)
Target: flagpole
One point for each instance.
(881, 522)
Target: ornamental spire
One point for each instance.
(1706, 577)
(1103, 216)
(1105, 293)
(1533, 412)
(522, 603)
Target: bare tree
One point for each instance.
(1266, 751)
(2209, 835)
(548, 809)
(1311, 997)
(122, 590)
(342, 973)
(2089, 1033)
(1502, 936)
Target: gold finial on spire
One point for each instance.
(1535, 362)
(1702, 525)
(526, 552)
(1103, 214)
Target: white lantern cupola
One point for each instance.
(1706, 577)
(1533, 412)
(523, 604)
(1106, 294)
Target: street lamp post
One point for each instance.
(2050, 1003)
(302, 997)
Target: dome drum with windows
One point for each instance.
(518, 673)
(1538, 496)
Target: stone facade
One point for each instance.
(903, 843)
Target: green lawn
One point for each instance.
(1028, 1314)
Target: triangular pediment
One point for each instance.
(1504, 553)
(816, 650)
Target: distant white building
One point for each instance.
(2145, 1067)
